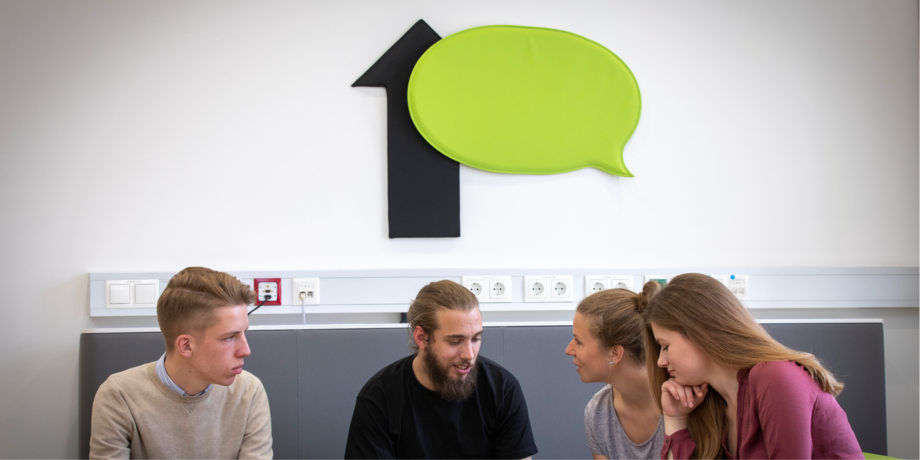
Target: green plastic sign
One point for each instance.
(525, 100)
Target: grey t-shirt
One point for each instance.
(606, 437)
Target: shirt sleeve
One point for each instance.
(514, 437)
(785, 395)
(257, 439)
(680, 444)
(593, 445)
(112, 427)
(367, 435)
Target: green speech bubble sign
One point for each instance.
(525, 100)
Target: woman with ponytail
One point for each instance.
(729, 390)
(608, 345)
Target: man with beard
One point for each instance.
(443, 401)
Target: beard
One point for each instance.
(448, 387)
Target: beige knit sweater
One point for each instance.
(135, 415)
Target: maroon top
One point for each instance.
(782, 413)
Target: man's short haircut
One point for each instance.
(192, 294)
(423, 310)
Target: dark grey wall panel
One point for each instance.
(102, 355)
(493, 343)
(556, 396)
(334, 365)
(274, 361)
(855, 353)
(313, 376)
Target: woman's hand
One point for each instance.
(677, 401)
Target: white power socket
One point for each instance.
(549, 288)
(536, 289)
(309, 287)
(597, 283)
(489, 289)
(739, 284)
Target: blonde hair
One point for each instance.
(614, 318)
(191, 294)
(434, 296)
(704, 311)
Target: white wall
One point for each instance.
(149, 136)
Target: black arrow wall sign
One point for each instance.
(423, 186)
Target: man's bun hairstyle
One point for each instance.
(433, 297)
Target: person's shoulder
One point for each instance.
(128, 378)
(496, 378)
(494, 369)
(128, 385)
(785, 377)
(391, 375)
(778, 370)
(599, 402)
(246, 382)
(245, 391)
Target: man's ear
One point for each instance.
(421, 338)
(185, 344)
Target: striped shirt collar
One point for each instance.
(164, 377)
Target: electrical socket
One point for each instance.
(489, 289)
(663, 280)
(597, 283)
(549, 288)
(535, 289)
(269, 290)
(310, 289)
(740, 285)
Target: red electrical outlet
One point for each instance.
(268, 289)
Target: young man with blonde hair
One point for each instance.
(196, 401)
(443, 401)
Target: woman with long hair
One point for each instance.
(622, 420)
(728, 389)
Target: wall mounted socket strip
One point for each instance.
(549, 288)
(305, 291)
(132, 293)
(721, 278)
(597, 283)
(738, 284)
(489, 289)
(252, 285)
(269, 290)
(663, 280)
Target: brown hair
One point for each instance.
(434, 296)
(191, 294)
(614, 318)
(704, 311)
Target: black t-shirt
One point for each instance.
(396, 417)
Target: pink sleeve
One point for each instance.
(785, 395)
(679, 443)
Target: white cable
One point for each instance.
(303, 305)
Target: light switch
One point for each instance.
(145, 294)
(120, 294)
(132, 293)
